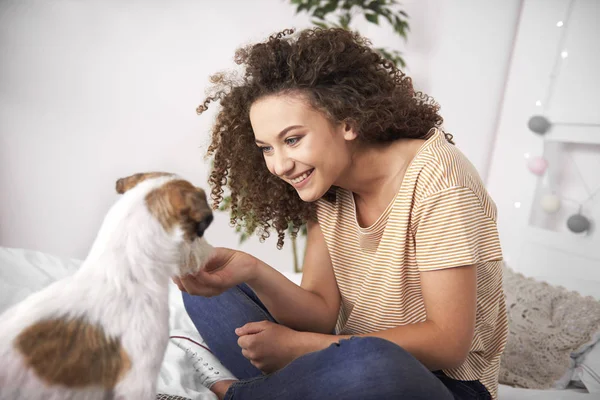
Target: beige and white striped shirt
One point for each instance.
(442, 217)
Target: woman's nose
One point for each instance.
(283, 165)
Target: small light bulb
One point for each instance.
(564, 54)
(517, 204)
(538, 103)
(526, 155)
(559, 24)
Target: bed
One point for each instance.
(24, 271)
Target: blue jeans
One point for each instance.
(360, 368)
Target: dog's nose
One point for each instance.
(202, 225)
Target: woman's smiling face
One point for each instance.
(300, 144)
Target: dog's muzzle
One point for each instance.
(204, 224)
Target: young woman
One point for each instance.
(401, 295)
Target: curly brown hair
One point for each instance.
(339, 74)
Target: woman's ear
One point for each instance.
(349, 130)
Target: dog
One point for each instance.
(102, 332)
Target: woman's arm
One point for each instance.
(444, 339)
(312, 307)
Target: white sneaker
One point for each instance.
(209, 368)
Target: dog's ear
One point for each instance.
(179, 203)
(124, 184)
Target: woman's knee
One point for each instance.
(200, 308)
(193, 301)
(381, 367)
(237, 304)
(380, 355)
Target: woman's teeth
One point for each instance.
(301, 177)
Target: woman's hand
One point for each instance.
(270, 346)
(225, 268)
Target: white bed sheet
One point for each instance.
(511, 393)
(23, 272)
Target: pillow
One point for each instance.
(548, 328)
(587, 372)
(23, 272)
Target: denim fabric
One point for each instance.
(360, 368)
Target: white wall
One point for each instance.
(534, 242)
(94, 90)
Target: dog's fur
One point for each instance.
(102, 332)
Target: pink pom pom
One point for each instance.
(537, 165)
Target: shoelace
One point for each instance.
(197, 359)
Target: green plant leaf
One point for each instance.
(345, 20)
(374, 5)
(225, 203)
(330, 6)
(393, 55)
(320, 24)
(301, 7)
(348, 4)
(373, 18)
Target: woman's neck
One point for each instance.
(376, 174)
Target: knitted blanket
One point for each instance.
(547, 326)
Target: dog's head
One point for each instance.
(181, 210)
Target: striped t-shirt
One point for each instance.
(442, 217)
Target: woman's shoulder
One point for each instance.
(442, 164)
(443, 167)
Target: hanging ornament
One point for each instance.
(539, 124)
(550, 203)
(537, 165)
(577, 223)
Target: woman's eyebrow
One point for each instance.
(283, 132)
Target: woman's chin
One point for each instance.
(309, 196)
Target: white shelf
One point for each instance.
(574, 134)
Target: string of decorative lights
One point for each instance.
(541, 125)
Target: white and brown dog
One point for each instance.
(102, 332)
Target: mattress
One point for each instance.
(511, 393)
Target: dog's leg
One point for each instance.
(143, 394)
(137, 385)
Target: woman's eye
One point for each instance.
(266, 149)
(292, 141)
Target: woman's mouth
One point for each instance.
(302, 178)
